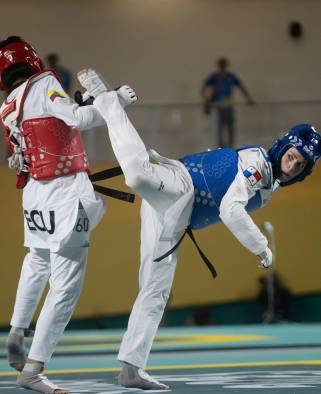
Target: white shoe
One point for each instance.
(126, 95)
(131, 376)
(92, 82)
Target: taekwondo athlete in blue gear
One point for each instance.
(196, 191)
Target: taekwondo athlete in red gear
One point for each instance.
(43, 130)
(194, 192)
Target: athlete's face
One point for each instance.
(292, 164)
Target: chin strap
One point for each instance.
(188, 231)
(107, 174)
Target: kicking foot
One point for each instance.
(92, 82)
(126, 95)
(39, 383)
(131, 376)
(16, 348)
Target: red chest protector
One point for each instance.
(52, 149)
(48, 148)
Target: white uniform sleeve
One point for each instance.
(60, 105)
(235, 217)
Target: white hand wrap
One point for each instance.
(266, 258)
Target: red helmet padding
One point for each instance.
(19, 52)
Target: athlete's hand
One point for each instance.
(266, 258)
(83, 99)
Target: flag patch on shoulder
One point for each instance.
(253, 175)
(53, 94)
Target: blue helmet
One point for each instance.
(306, 140)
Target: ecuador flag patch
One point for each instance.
(53, 94)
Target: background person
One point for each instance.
(275, 298)
(217, 94)
(65, 76)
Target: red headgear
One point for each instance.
(18, 51)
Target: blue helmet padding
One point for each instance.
(306, 139)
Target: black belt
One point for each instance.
(188, 231)
(107, 174)
(120, 195)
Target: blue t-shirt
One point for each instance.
(65, 78)
(223, 87)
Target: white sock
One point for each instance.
(35, 368)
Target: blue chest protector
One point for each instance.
(212, 173)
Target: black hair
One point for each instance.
(52, 58)
(223, 61)
(15, 75)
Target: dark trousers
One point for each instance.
(225, 126)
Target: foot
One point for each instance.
(126, 95)
(39, 383)
(92, 82)
(16, 349)
(131, 376)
